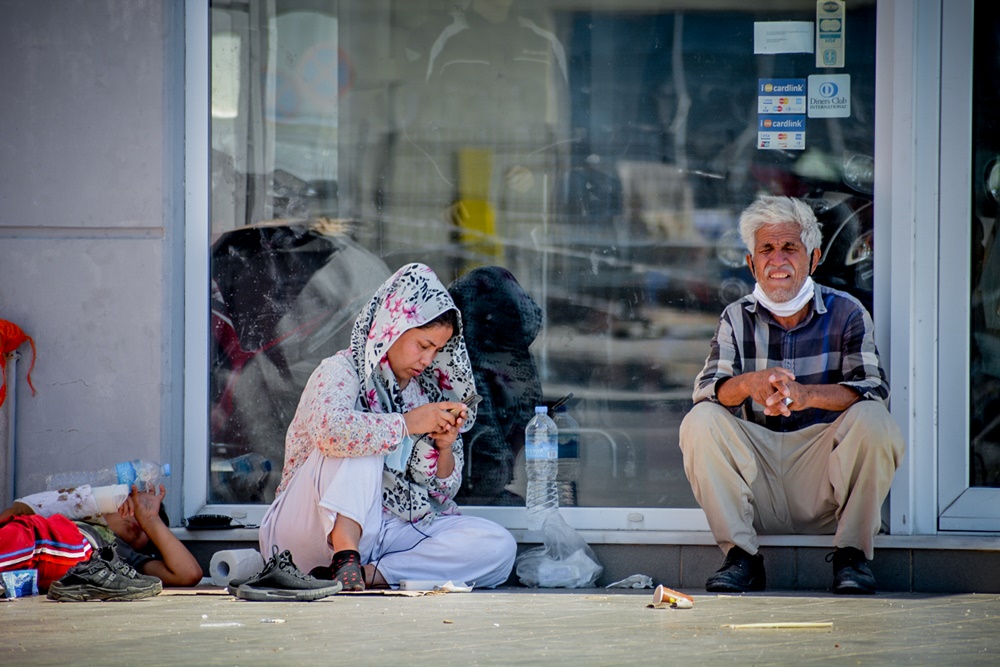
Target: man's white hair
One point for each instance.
(768, 210)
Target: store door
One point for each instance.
(969, 389)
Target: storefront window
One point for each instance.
(984, 387)
(599, 151)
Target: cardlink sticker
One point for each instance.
(830, 96)
(781, 96)
(775, 132)
(830, 33)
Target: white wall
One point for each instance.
(90, 204)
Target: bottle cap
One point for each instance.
(541, 409)
(166, 470)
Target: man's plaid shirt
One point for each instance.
(835, 344)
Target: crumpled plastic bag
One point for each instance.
(634, 581)
(565, 560)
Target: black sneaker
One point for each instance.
(103, 577)
(851, 574)
(109, 554)
(234, 585)
(281, 580)
(740, 572)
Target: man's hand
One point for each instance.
(779, 393)
(768, 387)
(782, 400)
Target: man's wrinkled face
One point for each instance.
(780, 262)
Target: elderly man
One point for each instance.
(789, 432)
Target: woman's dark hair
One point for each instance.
(447, 318)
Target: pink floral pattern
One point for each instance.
(329, 418)
(352, 405)
(444, 383)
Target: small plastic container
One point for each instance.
(20, 583)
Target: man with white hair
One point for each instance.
(790, 432)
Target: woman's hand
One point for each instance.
(436, 420)
(441, 422)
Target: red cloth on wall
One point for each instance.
(11, 338)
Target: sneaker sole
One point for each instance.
(853, 589)
(757, 584)
(260, 594)
(90, 594)
(734, 589)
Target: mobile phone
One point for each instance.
(470, 401)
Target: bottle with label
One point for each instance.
(541, 452)
(250, 474)
(568, 470)
(144, 474)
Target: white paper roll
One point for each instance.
(234, 564)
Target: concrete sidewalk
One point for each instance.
(512, 626)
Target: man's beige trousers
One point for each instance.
(826, 478)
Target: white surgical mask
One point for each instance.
(399, 457)
(786, 308)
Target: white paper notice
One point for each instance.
(783, 37)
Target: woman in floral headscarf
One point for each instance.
(373, 456)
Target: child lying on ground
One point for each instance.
(56, 531)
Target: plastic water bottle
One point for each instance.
(568, 471)
(541, 452)
(250, 473)
(144, 474)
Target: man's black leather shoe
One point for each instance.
(740, 572)
(851, 574)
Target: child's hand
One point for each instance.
(145, 506)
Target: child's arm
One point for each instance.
(179, 566)
(76, 504)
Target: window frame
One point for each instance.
(196, 327)
(196, 309)
(961, 507)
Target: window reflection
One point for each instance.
(599, 155)
(984, 404)
(501, 322)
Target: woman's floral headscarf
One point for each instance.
(410, 298)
